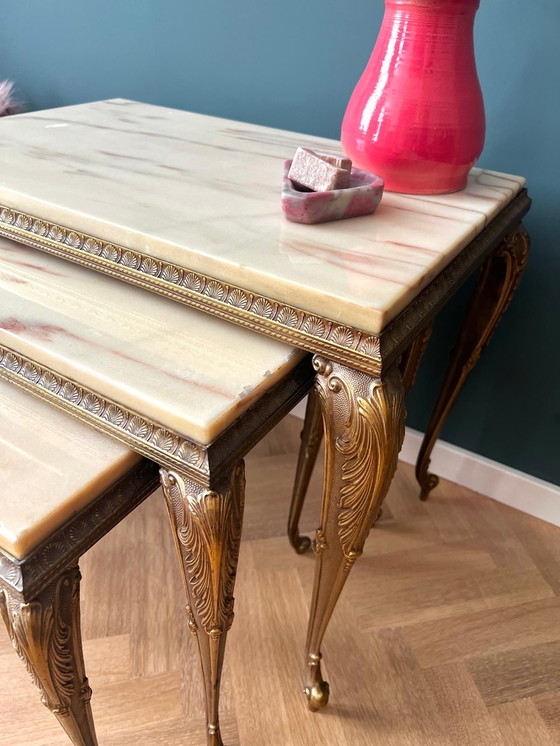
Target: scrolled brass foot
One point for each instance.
(300, 543)
(317, 690)
(429, 483)
(214, 738)
(317, 696)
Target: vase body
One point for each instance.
(416, 117)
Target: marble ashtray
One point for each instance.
(360, 198)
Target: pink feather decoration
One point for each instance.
(7, 103)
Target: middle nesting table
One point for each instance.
(189, 391)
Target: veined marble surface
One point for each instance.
(51, 466)
(204, 193)
(181, 368)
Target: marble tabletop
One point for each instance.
(204, 193)
(36, 445)
(178, 367)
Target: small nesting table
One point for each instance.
(187, 206)
(50, 514)
(192, 392)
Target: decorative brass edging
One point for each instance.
(282, 321)
(124, 425)
(27, 577)
(287, 323)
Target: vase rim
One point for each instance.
(450, 5)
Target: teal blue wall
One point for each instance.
(293, 64)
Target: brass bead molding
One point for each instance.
(124, 425)
(149, 438)
(280, 320)
(295, 326)
(24, 578)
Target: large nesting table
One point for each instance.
(188, 206)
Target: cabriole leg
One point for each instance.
(497, 282)
(206, 527)
(364, 428)
(412, 358)
(46, 635)
(311, 437)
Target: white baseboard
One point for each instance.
(502, 483)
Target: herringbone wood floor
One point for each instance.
(447, 634)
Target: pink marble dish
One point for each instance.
(360, 198)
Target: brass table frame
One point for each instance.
(358, 381)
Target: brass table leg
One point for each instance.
(364, 430)
(46, 635)
(498, 279)
(311, 437)
(412, 358)
(206, 527)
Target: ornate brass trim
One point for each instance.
(208, 527)
(25, 578)
(285, 322)
(41, 638)
(367, 439)
(288, 323)
(126, 426)
(364, 428)
(45, 634)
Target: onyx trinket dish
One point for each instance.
(361, 197)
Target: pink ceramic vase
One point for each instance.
(416, 117)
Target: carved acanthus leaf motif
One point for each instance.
(43, 639)
(368, 442)
(370, 449)
(208, 525)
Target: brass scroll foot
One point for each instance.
(317, 690)
(311, 437)
(497, 282)
(364, 430)
(300, 543)
(46, 635)
(214, 738)
(206, 525)
(428, 482)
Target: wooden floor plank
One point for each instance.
(466, 718)
(548, 706)
(486, 632)
(520, 724)
(516, 674)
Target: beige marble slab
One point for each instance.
(181, 368)
(204, 193)
(51, 467)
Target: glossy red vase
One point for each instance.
(416, 117)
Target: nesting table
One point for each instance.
(188, 206)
